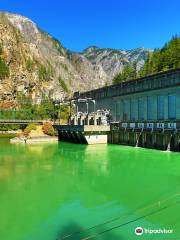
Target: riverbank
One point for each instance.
(35, 135)
(7, 135)
(10, 133)
(37, 139)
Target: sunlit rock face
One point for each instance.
(39, 64)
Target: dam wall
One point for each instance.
(145, 112)
(156, 97)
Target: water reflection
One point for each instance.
(55, 186)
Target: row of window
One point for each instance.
(135, 108)
(135, 86)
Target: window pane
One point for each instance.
(133, 109)
(160, 108)
(141, 109)
(126, 109)
(172, 107)
(150, 108)
(117, 111)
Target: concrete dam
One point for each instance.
(145, 112)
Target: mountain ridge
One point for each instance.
(40, 65)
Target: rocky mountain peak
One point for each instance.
(90, 49)
(39, 65)
(26, 26)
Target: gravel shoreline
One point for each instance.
(44, 139)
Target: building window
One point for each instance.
(117, 111)
(141, 109)
(172, 107)
(160, 107)
(133, 109)
(126, 110)
(150, 109)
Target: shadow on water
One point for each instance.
(74, 231)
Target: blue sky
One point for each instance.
(121, 24)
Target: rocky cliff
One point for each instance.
(34, 63)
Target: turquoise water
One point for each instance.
(48, 191)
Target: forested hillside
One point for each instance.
(159, 60)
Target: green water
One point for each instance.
(51, 190)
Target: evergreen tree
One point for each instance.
(128, 73)
(163, 59)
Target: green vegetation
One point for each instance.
(30, 65)
(1, 50)
(4, 69)
(128, 73)
(46, 110)
(45, 72)
(58, 45)
(64, 113)
(160, 60)
(25, 109)
(9, 127)
(7, 135)
(163, 59)
(48, 129)
(31, 111)
(31, 126)
(63, 84)
(28, 129)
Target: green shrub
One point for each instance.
(163, 59)
(48, 129)
(28, 129)
(4, 69)
(1, 49)
(45, 73)
(31, 126)
(63, 85)
(128, 73)
(9, 127)
(26, 132)
(30, 65)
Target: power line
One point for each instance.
(129, 222)
(117, 218)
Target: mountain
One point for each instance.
(34, 63)
(112, 61)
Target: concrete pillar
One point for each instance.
(75, 120)
(81, 120)
(88, 119)
(145, 139)
(127, 137)
(154, 139)
(95, 120)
